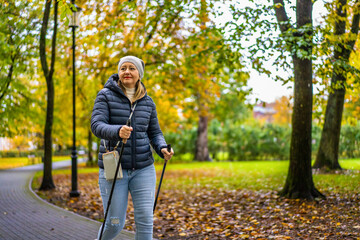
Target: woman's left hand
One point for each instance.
(167, 155)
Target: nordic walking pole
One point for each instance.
(162, 175)
(115, 177)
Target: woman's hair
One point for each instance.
(139, 89)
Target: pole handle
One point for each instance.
(169, 148)
(128, 123)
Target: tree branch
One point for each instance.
(53, 46)
(355, 23)
(172, 21)
(281, 16)
(8, 80)
(43, 31)
(157, 18)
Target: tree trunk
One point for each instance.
(328, 153)
(299, 181)
(202, 151)
(47, 182)
(90, 156)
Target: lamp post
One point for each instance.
(74, 188)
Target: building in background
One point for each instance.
(264, 112)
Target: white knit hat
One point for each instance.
(139, 64)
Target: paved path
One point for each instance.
(23, 215)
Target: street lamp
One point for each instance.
(74, 23)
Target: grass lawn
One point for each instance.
(230, 200)
(251, 175)
(15, 162)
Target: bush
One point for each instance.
(235, 141)
(256, 142)
(15, 153)
(245, 142)
(350, 141)
(184, 142)
(274, 142)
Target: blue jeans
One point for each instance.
(141, 184)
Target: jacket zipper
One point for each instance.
(133, 138)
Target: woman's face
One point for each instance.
(128, 75)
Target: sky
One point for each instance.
(266, 88)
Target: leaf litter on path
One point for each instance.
(205, 213)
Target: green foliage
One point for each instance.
(257, 142)
(238, 141)
(258, 19)
(335, 44)
(316, 135)
(169, 47)
(65, 11)
(231, 103)
(15, 153)
(18, 40)
(183, 143)
(242, 141)
(254, 32)
(350, 141)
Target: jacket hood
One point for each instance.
(112, 84)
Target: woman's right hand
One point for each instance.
(125, 132)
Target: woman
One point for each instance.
(113, 105)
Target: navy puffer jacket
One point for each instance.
(111, 111)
